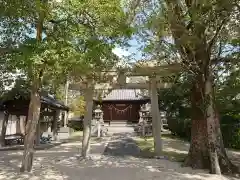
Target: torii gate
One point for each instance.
(153, 82)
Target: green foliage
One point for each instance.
(77, 106)
(75, 125)
(77, 37)
(180, 127)
(230, 126)
(176, 102)
(202, 36)
(21, 89)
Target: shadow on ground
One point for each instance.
(122, 145)
(125, 145)
(120, 160)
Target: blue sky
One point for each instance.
(132, 52)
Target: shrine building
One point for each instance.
(122, 105)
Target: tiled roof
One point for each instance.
(125, 94)
(53, 102)
(45, 99)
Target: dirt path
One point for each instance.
(116, 158)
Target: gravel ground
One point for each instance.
(115, 158)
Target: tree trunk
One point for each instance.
(87, 125)
(156, 119)
(207, 149)
(33, 118)
(55, 125)
(211, 127)
(4, 127)
(35, 101)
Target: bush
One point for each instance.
(180, 127)
(76, 125)
(230, 126)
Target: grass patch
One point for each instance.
(172, 136)
(76, 134)
(147, 150)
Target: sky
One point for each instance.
(132, 53)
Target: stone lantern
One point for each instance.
(145, 113)
(98, 117)
(98, 113)
(145, 118)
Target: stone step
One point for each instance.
(119, 124)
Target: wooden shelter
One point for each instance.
(18, 106)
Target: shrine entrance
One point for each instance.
(122, 105)
(152, 77)
(117, 112)
(121, 112)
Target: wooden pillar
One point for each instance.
(55, 124)
(38, 130)
(156, 119)
(4, 127)
(18, 125)
(65, 118)
(23, 124)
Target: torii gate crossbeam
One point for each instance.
(152, 84)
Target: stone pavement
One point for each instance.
(112, 159)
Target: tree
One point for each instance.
(71, 38)
(77, 106)
(105, 25)
(195, 34)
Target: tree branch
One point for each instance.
(214, 38)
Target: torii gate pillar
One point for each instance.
(156, 119)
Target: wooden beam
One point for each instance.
(126, 86)
(137, 70)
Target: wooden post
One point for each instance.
(4, 127)
(55, 125)
(18, 126)
(22, 124)
(156, 119)
(38, 130)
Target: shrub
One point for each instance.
(180, 127)
(76, 125)
(230, 126)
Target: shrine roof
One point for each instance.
(125, 95)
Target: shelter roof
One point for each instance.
(54, 103)
(45, 99)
